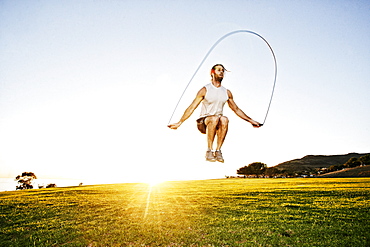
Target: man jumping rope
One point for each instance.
(211, 121)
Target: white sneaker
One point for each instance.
(219, 157)
(210, 156)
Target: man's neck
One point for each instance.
(216, 83)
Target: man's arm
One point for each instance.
(200, 96)
(239, 112)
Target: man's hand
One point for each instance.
(255, 124)
(174, 126)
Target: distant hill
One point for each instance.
(310, 162)
(361, 171)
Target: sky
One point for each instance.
(87, 88)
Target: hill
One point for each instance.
(313, 162)
(361, 171)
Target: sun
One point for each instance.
(155, 180)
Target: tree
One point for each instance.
(271, 171)
(334, 168)
(243, 171)
(51, 186)
(256, 168)
(365, 160)
(25, 180)
(352, 162)
(288, 173)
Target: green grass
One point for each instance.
(228, 212)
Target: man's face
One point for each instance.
(219, 72)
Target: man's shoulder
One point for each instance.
(207, 85)
(202, 92)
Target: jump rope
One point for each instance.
(209, 52)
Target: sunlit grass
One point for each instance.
(229, 212)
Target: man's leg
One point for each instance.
(211, 123)
(221, 132)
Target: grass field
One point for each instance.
(227, 212)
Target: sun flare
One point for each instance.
(153, 181)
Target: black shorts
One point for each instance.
(201, 125)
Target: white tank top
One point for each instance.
(214, 101)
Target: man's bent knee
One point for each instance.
(212, 120)
(224, 121)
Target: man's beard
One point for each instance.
(217, 78)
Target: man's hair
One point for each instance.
(214, 66)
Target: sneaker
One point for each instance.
(210, 156)
(219, 157)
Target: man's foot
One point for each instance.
(210, 156)
(219, 157)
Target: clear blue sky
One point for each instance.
(87, 87)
